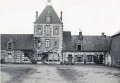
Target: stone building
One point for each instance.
(115, 49)
(51, 44)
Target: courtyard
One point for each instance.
(28, 73)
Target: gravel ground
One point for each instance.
(12, 73)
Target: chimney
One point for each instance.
(36, 15)
(80, 34)
(61, 15)
(103, 34)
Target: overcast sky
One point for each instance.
(92, 16)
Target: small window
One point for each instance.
(47, 43)
(79, 47)
(70, 55)
(89, 58)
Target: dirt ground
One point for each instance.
(28, 73)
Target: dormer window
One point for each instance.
(9, 45)
(79, 47)
(48, 19)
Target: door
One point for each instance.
(70, 59)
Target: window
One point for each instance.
(47, 43)
(39, 43)
(79, 47)
(39, 30)
(47, 29)
(56, 30)
(89, 58)
(48, 19)
(56, 43)
(9, 45)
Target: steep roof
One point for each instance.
(51, 12)
(89, 43)
(20, 41)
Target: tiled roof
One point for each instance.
(20, 41)
(51, 12)
(89, 43)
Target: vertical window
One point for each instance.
(47, 29)
(47, 43)
(89, 58)
(79, 47)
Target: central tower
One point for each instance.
(48, 35)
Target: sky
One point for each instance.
(92, 16)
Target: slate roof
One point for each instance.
(48, 11)
(20, 41)
(89, 43)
